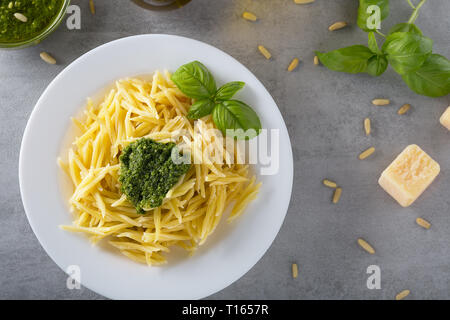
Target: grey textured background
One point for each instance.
(324, 112)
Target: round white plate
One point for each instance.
(229, 252)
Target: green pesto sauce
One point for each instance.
(147, 173)
(40, 14)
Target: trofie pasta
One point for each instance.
(191, 210)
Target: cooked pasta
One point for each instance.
(191, 210)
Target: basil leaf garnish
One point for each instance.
(407, 51)
(432, 79)
(200, 109)
(195, 80)
(236, 116)
(351, 59)
(227, 91)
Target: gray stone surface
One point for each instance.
(324, 112)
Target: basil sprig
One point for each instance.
(232, 117)
(405, 49)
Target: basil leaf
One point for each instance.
(377, 65)
(195, 80)
(351, 59)
(373, 46)
(432, 79)
(200, 109)
(236, 115)
(363, 15)
(227, 91)
(407, 51)
(405, 27)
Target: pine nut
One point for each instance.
(249, 16)
(293, 64)
(381, 102)
(366, 246)
(367, 126)
(47, 58)
(404, 109)
(264, 52)
(20, 17)
(303, 1)
(316, 60)
(294, 270)
(92, 6)
(363, 155)
(337, 195)
(402, 295)
(423, 223)
(337, 25)
(329, 183)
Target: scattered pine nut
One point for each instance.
(402, 295)
(316, 60)
(92, 6)
(423, 223)
(367, 126)
(404, 109)
(293, 64)
(47, 58)
(381, 102)
(303, 1)
(264, 52)
(294, 270)
(20, 17)
(329, 183)
(363, 155)
(366, 246)
(337, 195)
(249, 16)
(337, 25)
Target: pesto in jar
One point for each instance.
(39, 15)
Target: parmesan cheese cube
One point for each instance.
(409, 175)
(445, 118)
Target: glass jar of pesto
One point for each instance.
(27, 22)
(161, 4)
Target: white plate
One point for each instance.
(227, 255)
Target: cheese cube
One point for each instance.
(409, 175)
(445, 118)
